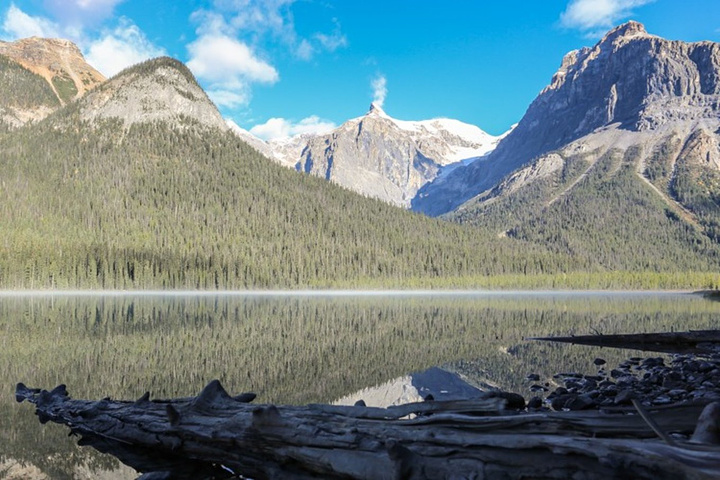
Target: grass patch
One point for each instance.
(65, 88)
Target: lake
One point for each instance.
(291, 348)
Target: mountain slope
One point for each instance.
(630, 80)
(59, 62)
(106, 194)
(151, 199)
(589, 201)
(381, 157)
(26, 96)
(647, 183)
(162, 89)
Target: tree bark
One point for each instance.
(215, 435)
(692, 342)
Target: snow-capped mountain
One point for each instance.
(382, 157)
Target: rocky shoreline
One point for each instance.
(652, 381)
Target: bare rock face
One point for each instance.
(162, 89)
(385, 158)
(630, 80)
(58, 61)
(288, 151)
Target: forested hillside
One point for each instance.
(22, 93)
(130, 203)
(157, 206)
(598, 209)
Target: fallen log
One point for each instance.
(692, 342)
(215, 435)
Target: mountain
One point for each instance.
(633, 85)
(382, 157)
(140, 184)
(620, 154)
(162, 90)
(39, 75)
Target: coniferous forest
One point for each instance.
(157, 205)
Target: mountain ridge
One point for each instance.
(141, 184)
(382, 157)
(630, 80)
(159, 89)
(60, 62)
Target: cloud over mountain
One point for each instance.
(597, 15)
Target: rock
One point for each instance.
(662, 400)
(677, 393)
(581, 402)
(54, 58)
(534, 403)
(533, 377)
(672, 380)
(558, 391)
(514, 401)
(705, 367)
(559, 402)
(162, 89)
(572, 384)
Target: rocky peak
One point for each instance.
(382, 157)
(629, 80)
(376, 109)
(60, 62)
(162, 89)
(625, 31)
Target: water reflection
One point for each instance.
(291, 349)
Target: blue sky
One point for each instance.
(281, 67)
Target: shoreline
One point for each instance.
(353, 293)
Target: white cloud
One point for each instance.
(120, 48)
(229, 67)
(265, 22)
(331, 42)
(18, 24)
(81, 12)
(334, 40)
(379, 86)
(277, 128)
(261, 17)
(218, 58)
(305, 50)
(230, 95)
(594, 14)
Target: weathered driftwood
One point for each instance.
(215, 435)
(692, 342)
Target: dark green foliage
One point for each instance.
(158, 207)
(603, 216)
(20, 88)
(659, 164)
(698, 189)
(154, 205)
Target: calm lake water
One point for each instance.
(291, 348)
